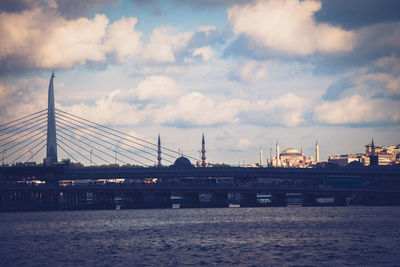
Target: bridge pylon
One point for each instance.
(51, 153)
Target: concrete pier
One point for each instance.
(147, 200)
(249, 200)
(74, 201)
(28, 201)
(315, 200)
(381, 199)
(278, 200)
(190, 200)
(103, 200)
(219, 200)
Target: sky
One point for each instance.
(244, 73)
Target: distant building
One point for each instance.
(290, 157)
(383, 155)
(316, 151)
(374, 155)
(346, 159)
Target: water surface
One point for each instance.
(290, 236)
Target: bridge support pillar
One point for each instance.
(148, 200)
(190, 200)
(375, 199)
(10, 201)
(219, 200)
(28, 201)
(103, 201)
(312, 200)
(133, 201)
(45, 201)
(74, 201)
(249, 200)
(278, 200)
(160, 200)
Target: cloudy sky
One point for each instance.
(243, 72)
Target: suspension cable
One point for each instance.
(112, 134)
(142, 140)
(105, 142)
(74, 150)
(24, 124)
(28, 151)
(33, 155)
(82, 148)
(25, 145)
(24, 140)
(22, 118)
(82, 136)
(68, 153)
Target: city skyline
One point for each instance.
(182, 68)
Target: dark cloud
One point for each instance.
(212, 3)
(204, 38)
(157, 10)
(16, 5)
(337, 89)
(67, 8)
(372, 43)
(75, 9)
(352, 14)
(154, 5)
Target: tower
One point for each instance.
(51, 153)
(316, 152)
(302, 155)
(372, 147)
(159, 152)
(203, 152)
(374, 157)
(277, 153)
(261, 157)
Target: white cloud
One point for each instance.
(156, 88)
(164, 43)
(287, 110)
(109, 110)
(198, 109)
(251, 71)
(205, 53)
(288, 26)
(39, 39)
(243, 144)
(206, 29)
(389, 64)
(357, 109)
(122, 39)
(379, 81)
(25, 97)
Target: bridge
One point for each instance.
(126, 171)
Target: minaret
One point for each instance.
(372, 148)
(203, 152)
(277, 154)
(316, 152)
(159, 152)
(373, 158)
(51, 154)
(302, 155)
(261, 157)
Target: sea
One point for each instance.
(284, 236)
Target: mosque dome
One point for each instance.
(290, 152)
(182, 162)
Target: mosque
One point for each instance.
(291, 157)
